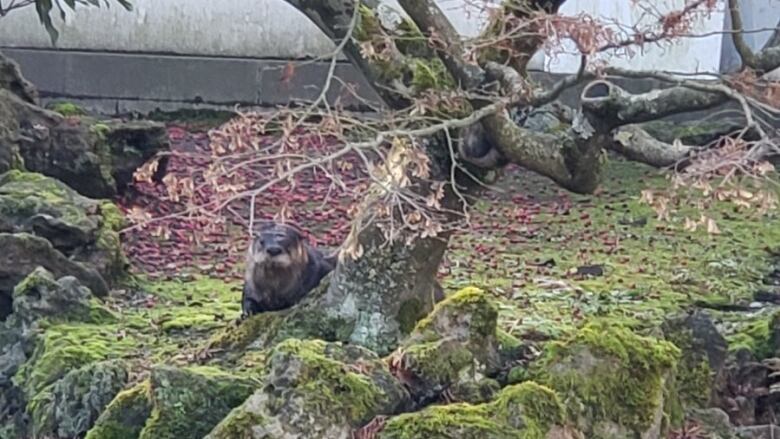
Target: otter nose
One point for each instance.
(274, 251)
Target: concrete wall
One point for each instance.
(235, 28)
(169, 53)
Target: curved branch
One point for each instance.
(333, 18)
(616, 107)
(637, 144)
(738, 37)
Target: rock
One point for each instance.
(704, 352)
(96, 158)
(22, 253)
(125, 416)
(82, 229)
(525, 410)
(740, 392)
(173, 403)
(452, 350)
(69, 407)
(31, 361)
(10, 158)
(714, 423)
(759, 432)
(315, 389)
(616, 384)
(11, 79)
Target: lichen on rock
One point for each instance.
(69, 407)
(312, 389)
(452, 349)
(525, 411)
(81, 229)
(615, 383)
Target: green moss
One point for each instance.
(430, 74)
(327, 386)
(237, 338)
(538, 405)
(754, 336)
(66, 347)
(125, 416)
(190, 402)
(694, 378)
(67, 109)
(439, 362)
(470, 301)
(237, 425)
(524, 411)
(618, 375)
(507, 340)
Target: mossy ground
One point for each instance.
(526, 243)
(522, 249)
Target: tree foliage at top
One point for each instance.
(44, 8)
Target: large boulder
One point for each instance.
(314, 389)
(44, 222)
(453, 351)
(616, 384)
(33, 362)
(69, 407)
(703, 357)
(172, 403)
(95, 157)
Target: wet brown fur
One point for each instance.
(272, 283)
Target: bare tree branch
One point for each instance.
(636, 144)
(747, 55)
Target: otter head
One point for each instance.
(278, 246)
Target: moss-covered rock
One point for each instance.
(66, 108)
(526, 411)
(69, 407)
(82, 229)
(11, 79)
(96, 158)
(172, 403)
(703, 356)
(125, 416)
(190, 402)
(616, 384)
(315, 389)
(454, 347)
(41, 296)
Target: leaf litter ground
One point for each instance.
(552, 259)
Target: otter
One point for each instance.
(281, 268)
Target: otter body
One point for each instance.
(281, 269)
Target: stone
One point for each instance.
(96, 158)
(11, 79)
(451, 350)
(526, 410)
(615, 383)
(704, 351)
(69, 407)
(82, 229)
(315, 389)
(23, 253)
